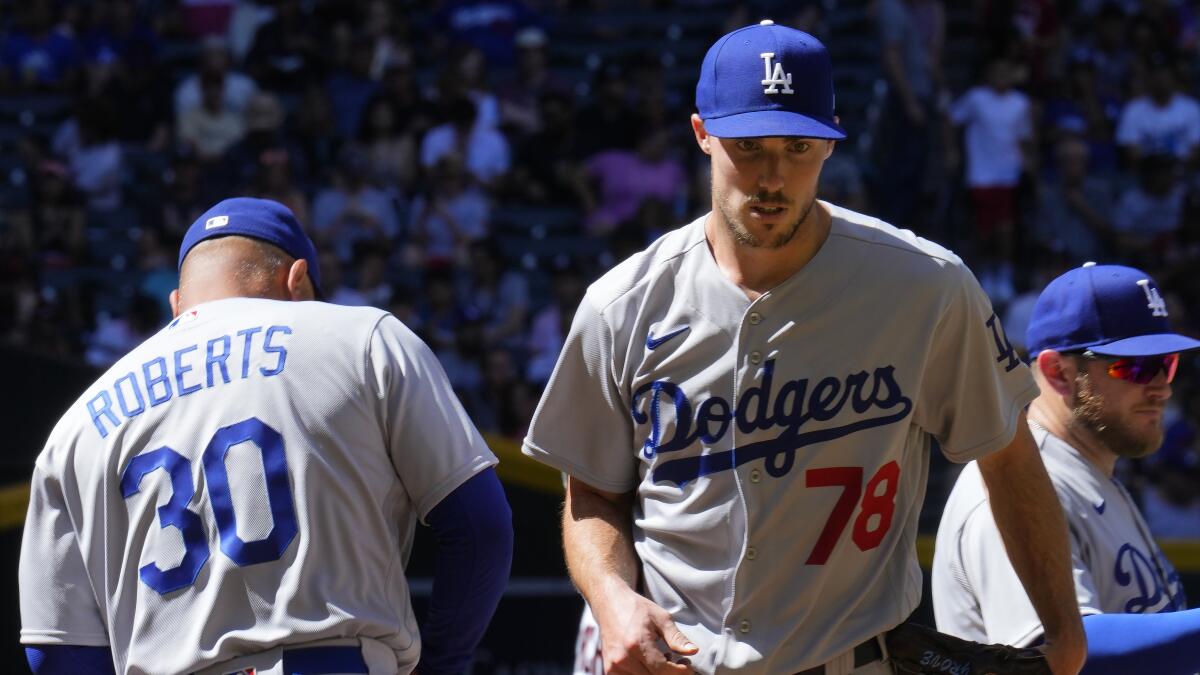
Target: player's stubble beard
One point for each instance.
(1088, 408)
(742, 234)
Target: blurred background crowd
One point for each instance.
(471, 165)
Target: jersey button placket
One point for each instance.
(754, 358)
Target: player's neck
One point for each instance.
(195, 294)
(1053, 415)
(758, 270)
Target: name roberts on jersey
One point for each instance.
(157, 380)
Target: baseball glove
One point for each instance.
(918, 650)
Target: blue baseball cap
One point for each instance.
(1110, 310)
(261, 219)
(767, 80)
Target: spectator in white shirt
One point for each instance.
(212, 128)
(998, 136)
(1074, 207)
(94, 156)
(352, 212)
(215, 60)
(1163, 121)
(1148, 213)
(450, 215)
(485, 149)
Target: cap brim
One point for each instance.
(1148, 345)
(773, 123)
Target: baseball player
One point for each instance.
(240, 492)
(1104, 358)
(746, 408)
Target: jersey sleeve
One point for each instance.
(974, 384)
(433, 444)
(1008, 615)
(58, 605)
(581, 426)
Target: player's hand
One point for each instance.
(632, 632)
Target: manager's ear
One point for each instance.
(173, 298)
(1057, 370)
(703, 139)
(298, 284)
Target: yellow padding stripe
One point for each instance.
(925, 550)
(517, 469)
(14, 501)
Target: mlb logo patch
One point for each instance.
(215, 222)
(186, 317)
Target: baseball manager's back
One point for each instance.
(246, 481)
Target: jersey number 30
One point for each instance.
(176, 514)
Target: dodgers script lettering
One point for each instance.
(1135, 569)
(762, 408)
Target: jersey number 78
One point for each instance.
(867, 534)
(176, 514)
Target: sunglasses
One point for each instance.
(1137, 369)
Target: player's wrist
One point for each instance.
(1066, 651)
(610, 589)
(614, 601)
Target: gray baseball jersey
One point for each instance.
(1118, 567)
(779, 448)
(249, 477)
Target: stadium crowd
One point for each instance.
(471, 165)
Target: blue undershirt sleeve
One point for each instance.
(1163, 644)
(69, 660)
(473, 529)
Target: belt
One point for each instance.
(322, 660)
(866, 652)
(319, 660)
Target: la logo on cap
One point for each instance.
(215, 222)
(1154, 301)
(774, 79)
